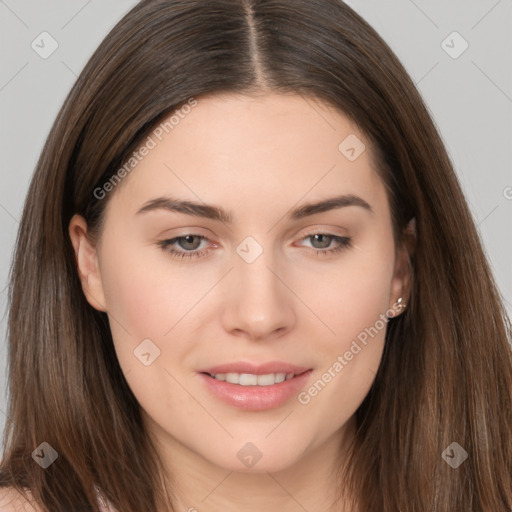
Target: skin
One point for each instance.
(257, 157)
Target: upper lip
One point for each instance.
(255, 369)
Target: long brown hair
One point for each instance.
(446, 372)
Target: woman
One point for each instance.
(246, 277)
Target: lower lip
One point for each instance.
(255, 398)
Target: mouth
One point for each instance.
(252, 379)
(255, 388)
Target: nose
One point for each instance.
(259, 304)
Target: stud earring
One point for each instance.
(399, 302)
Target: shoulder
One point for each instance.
(11, 500)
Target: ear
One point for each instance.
(86, 259)
(402, 275)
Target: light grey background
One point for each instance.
(470, 98)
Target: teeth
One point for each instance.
(249, 379)
(279, 377)
(246, 379)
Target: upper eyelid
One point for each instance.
(314, 231)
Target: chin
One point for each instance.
(250, 459)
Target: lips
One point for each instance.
(255, 369)
(238, 384)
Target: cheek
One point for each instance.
(352, 304)
(146, 291)
(151, 297)
(147, 309)
(350, 294)
(350, 360)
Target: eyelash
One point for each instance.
(343, 241)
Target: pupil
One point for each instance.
(325, 242)
(189, 240)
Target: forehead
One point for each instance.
(250, 151)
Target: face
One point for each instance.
(269, 287)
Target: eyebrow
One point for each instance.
(219, 214)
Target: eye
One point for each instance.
(187, 246)
(187, 242)
(322, 243)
